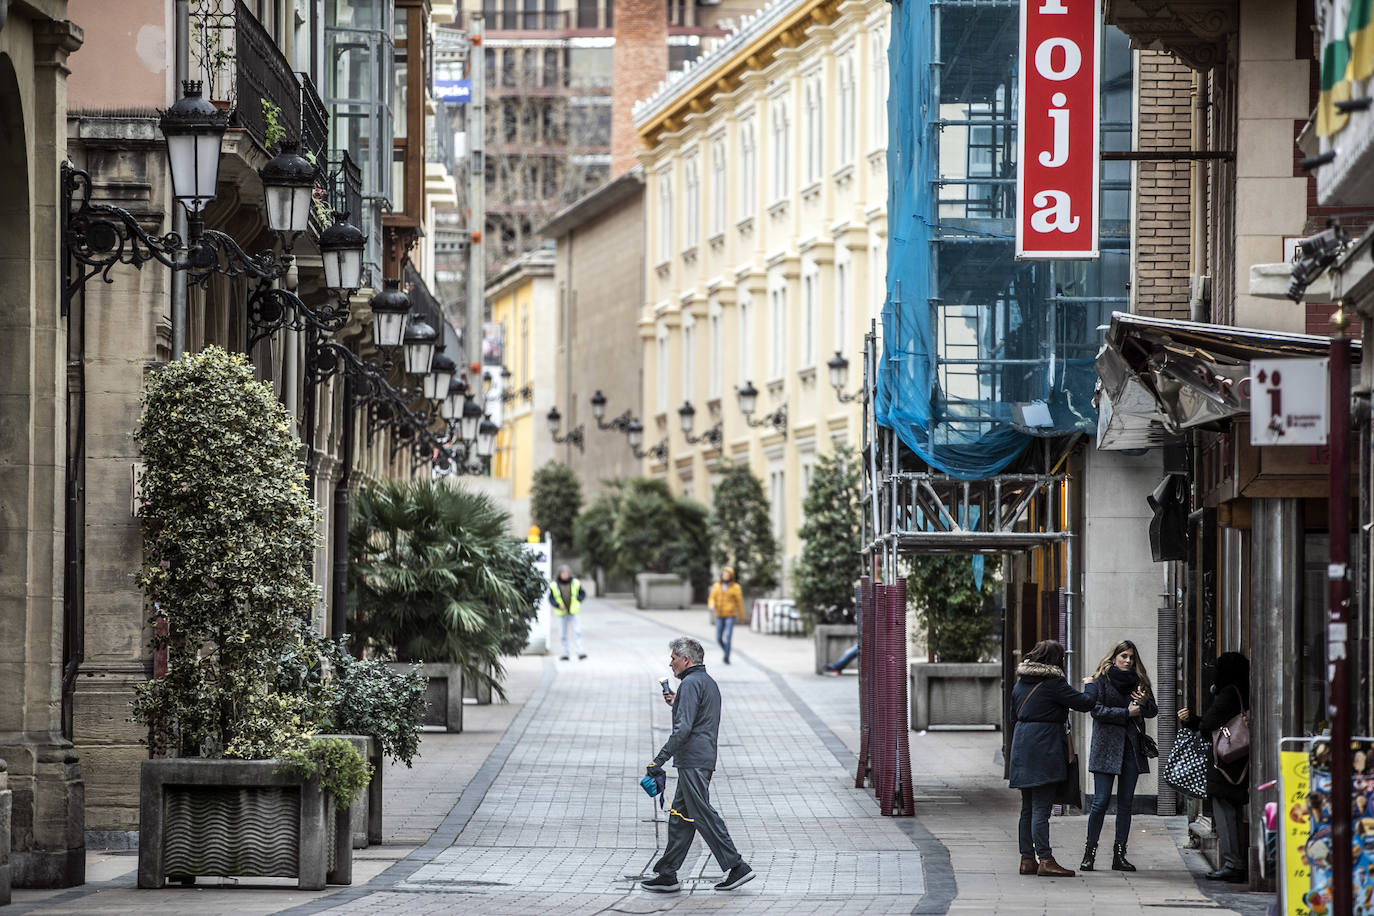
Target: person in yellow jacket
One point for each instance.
(727, 600)
(566, 594)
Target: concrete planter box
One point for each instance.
(237, 818)
(662, 592)
(832, 641)
(947, 693)
(479, 693)
(357, 818)
(444, 697)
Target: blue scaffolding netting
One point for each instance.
(981, 353)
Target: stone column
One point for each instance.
(1276, 594)
(47, 846)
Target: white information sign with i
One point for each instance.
(1288, 402)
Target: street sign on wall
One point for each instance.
(450, 90)
(1288, 402)
(1057, 144)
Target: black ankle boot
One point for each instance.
(1119, 862)
(1089, 857)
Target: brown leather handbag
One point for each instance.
(1231, 742)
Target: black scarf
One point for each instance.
(1123, 681)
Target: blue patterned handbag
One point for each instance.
(1186, 768)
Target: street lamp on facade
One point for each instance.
(839, 378)
(574, 437)
(686, 417)
(634, 434)
(599, 410)
(748, 396)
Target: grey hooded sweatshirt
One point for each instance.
(696, 722)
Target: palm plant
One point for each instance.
(434, 577)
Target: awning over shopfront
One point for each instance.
(1159, 378)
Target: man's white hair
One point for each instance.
(688, 648)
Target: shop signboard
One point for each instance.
(1307, 794)
(1289, 402)
(457, 92)
(1057, 145)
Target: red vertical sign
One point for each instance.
(1057, 145)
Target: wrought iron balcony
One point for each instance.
(263, 74)
(345, 183)
(314, 122)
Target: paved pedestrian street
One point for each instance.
(536, 808)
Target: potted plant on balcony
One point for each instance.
(955, 600)
(435, 580)
(238, 786)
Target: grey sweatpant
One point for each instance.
(692, 814)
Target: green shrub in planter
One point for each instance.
(959, 616)
(555, 500)
(334, 763)
(435, 578)
(371, 699)
(830, 559)
(229, 531)
(743, 530)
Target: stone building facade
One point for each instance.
(765, 218)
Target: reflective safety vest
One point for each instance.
(573, 592)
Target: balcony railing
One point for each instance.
(345, 183)
(533, 21)
(262, 74)
(314, 122)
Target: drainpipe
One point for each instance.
(183, 72)
(338, 611)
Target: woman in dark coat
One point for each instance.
(1124, 702)
(1228, 784)
(1040, 704)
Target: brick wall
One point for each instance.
(1161, 207)
(641, 63)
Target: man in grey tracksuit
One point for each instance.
(692, 747)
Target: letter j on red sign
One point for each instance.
(1057, 145)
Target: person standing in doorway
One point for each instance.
(727, 600)
(692, 748)
(1228, 784)
(1124, 702)
(566, 594)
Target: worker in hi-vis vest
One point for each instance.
(566, 595)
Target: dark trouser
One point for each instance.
(1232, 850)
(692, 814)
(845, 659)
(1033, 833)
(725, 631)
(1125, 799)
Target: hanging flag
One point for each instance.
(1057, 144)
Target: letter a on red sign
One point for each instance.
(1057, 144)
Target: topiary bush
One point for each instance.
(743, 529)
(228, 535)
(555, 501)
(831, 537)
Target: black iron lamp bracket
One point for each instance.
(844, 397)
(619, 424)
(777, 419)
(658, 452)
(272, 308)
(713, 437)
(574, 436)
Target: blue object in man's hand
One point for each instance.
(655, 782)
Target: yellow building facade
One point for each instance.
(766, 225)
(521, 302)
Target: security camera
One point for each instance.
(1315, 254)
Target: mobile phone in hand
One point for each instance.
(663, 683)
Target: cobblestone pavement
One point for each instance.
(535, 808)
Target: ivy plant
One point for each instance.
(334, 763)
(229, 530)
(830, 558)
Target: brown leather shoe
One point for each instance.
(1052, 869)
(1028, 867)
